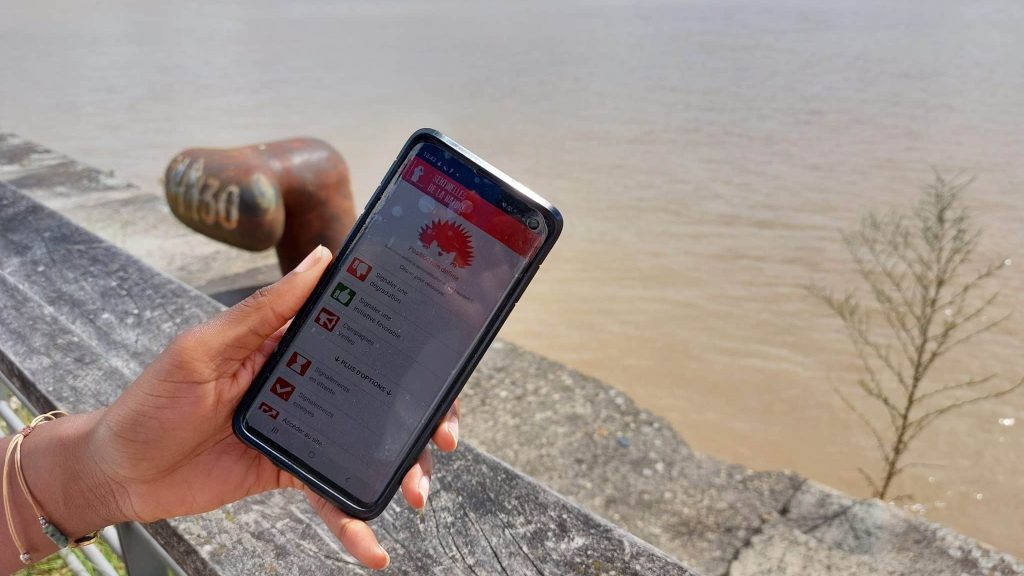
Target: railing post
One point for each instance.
(142, 555)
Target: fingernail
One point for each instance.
(453, 428)
(424, 488)
(310, 259)
(387, 557)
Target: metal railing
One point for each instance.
(136, 550)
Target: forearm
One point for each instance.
(72, 494)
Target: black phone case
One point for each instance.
(295, 465)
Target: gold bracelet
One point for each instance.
(51, 531)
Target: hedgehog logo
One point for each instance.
(449, 238)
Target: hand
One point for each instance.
(160, 444)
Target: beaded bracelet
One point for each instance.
(51, 531)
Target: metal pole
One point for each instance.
(109, 535)
(94, 556)
(143, 555)
(10, 418)
(99, 561)
(73, 563)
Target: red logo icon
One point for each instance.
(283, 389)
(327, 320)
(359, 268)
(449, 238)
(269, 410)
(299, 363)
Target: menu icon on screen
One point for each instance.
(283, 389)
(327, 320)
(360, 269)
(269, 410)
(342, 294)
(299, 364)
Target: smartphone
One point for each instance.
(377, 355)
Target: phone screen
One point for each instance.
(438, 254)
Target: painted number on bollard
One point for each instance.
(240, 195)
(200, 197)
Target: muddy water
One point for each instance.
(706, 154)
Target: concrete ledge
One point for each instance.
(79, 318)
(576, 434)
(132, 218)
(591, 443)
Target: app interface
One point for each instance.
(417, 288)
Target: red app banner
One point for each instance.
(469, 205)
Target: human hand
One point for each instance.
(169, 434)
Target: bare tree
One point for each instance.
(923, 305)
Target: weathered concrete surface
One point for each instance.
(79, 318)
(135, 219)
(591, 443)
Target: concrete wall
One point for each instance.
(576, 434)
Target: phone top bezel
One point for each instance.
(295, 464)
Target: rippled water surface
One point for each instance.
(706, 154)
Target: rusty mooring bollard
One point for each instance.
(292, 194)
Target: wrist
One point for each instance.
(61, 471)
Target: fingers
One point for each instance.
(355, 535)
(416, 484)
(240, 330)
(446, 437)
(267, 348)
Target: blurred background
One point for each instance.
(706, 155)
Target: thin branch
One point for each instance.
(970, 336)
(970, 383)
(870, 481)
(860, 333)
(962, 293)
(867, 422)
(903, 468)
(878, 394)
(919, 424)
(912, 265)
(887, 272)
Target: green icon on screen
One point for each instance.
(343, 294)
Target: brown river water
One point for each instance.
(706, 154)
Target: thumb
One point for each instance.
(237, 332)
